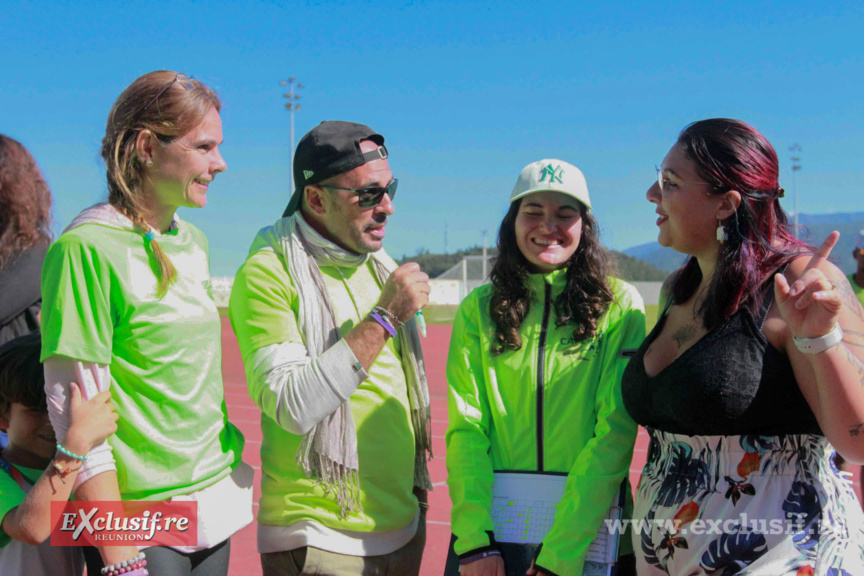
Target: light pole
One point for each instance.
(796, 165)
(292, 106)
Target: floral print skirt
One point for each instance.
(766, 505)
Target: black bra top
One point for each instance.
(730, 382)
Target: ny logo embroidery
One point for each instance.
(554, 174)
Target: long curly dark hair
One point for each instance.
(25, 202)
(585, 298)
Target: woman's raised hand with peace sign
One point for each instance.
(830, 378)
(811, 305)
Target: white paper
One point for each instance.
(523, 510)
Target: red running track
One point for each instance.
(246, 416)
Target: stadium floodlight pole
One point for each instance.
(292, 106)
(796, 165)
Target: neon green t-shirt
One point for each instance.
(17, 557)
(100, 304)
(264, 309)
(11, 494)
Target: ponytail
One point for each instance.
(167, 273)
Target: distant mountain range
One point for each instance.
(627, 267)
(814, 229)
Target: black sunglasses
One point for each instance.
(370, 197)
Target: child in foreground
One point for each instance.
(32, 475)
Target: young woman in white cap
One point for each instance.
(534, 387)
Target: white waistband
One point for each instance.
(348, 542)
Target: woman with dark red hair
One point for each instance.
(750, 379)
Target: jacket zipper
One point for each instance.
(541, 356)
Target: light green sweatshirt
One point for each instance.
(264, 308)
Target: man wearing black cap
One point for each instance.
(326, 325)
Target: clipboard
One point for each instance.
(523, 510)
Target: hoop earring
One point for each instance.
(722, 235)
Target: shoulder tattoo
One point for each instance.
(850, 300)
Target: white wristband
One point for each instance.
(817, 345)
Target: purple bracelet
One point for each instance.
(137, 569)
(130, 571)
(384, 322)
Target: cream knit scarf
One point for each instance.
(328, 452)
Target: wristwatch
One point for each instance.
(817, 345)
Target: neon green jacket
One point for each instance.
(500, 419)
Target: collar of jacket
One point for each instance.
(557, 278)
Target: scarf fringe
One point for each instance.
(422, 449)
(336, 480)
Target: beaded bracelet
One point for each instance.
(127, 566)
(130, 571)
(63, 450)
(140, 571)
(393, 318)
(62, 471)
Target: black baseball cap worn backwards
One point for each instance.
(329, 149)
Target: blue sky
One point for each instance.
(466, 94)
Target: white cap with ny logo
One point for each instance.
(552, 176)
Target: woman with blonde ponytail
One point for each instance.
(127, 307)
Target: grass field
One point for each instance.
(650, 316)
(437, 314)
(445, 313)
